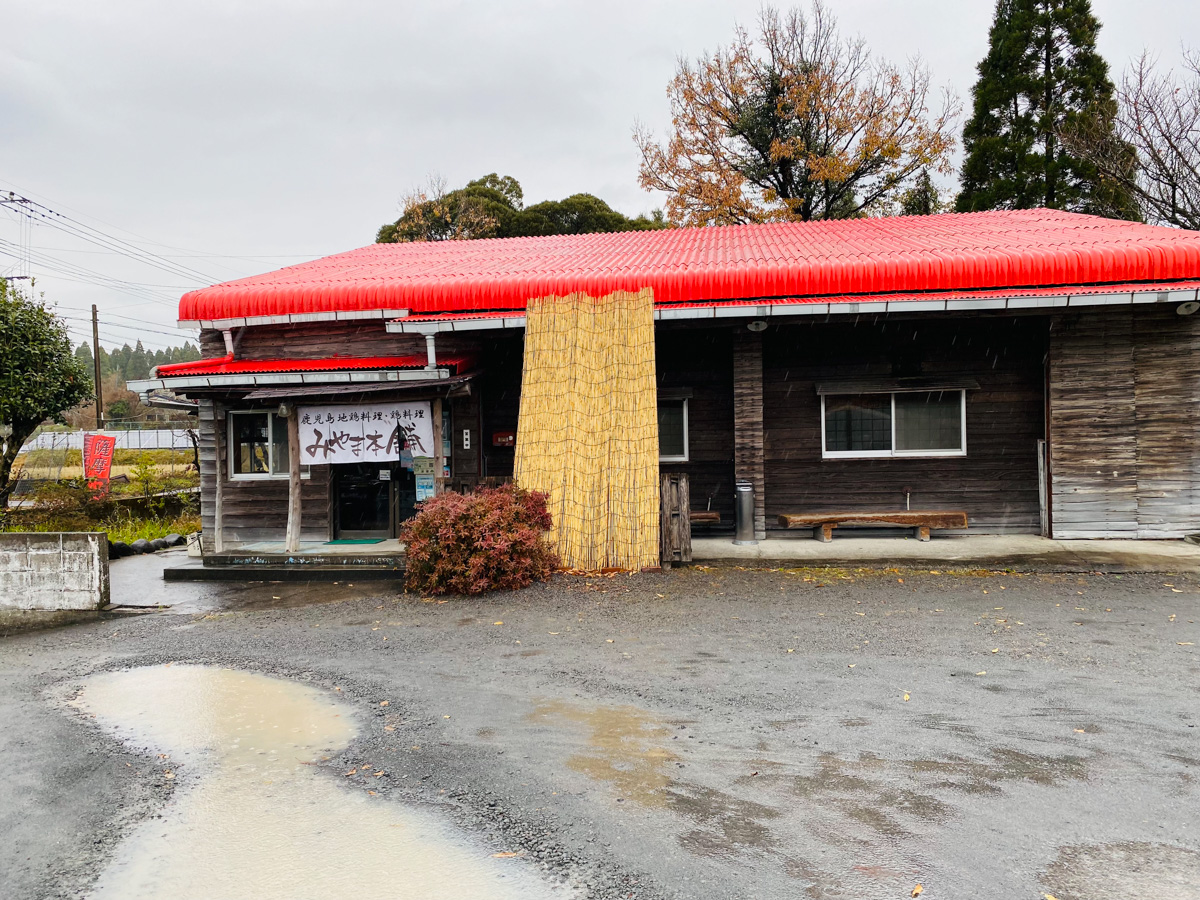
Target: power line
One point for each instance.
(40, 212)
(72, 272)
(139, 329)
(184, 250)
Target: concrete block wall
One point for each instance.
(53, 570)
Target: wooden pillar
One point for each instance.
(292, 544)
(439, 459)
(219, 423)
(748, 420)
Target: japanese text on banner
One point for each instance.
(367, 432)
(97, 459)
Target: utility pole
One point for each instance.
(96, 364)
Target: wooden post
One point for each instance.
(293, 518)
(219, 423)
(748, 420)
(439, 459)
(96, 368)
(675, 523)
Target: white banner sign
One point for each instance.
(366, 432)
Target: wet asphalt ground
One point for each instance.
(704, 733)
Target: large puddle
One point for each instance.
(254, 818)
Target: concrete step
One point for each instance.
(194, 570)
(308, 559)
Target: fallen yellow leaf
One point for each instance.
(916, 892)
(497, 623)
(906, 698)
(981, 673)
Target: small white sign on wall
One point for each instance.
(365, 432)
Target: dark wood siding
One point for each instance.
(256, 509)
(700, 360)
(1125, 424)
(996, 483)
(501, 356)
(313, 340)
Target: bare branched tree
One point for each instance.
(1158, 117)
(796, 123)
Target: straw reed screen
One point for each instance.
(588, 428)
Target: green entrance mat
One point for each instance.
(356, 541)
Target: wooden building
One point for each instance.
(1038, 370)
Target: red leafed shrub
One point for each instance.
(489, 540)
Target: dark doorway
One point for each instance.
(371, 499)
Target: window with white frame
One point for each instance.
(258, 445)
(909, 423)
(673, 430)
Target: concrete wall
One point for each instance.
(53, 570)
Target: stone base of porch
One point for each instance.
(1019, 552)
(314, 561)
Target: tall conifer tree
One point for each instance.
(1042, 75)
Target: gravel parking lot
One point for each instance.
(704, 733)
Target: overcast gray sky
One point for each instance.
(238, 136)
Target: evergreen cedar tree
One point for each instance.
(488, 540)
(796, 123)
(1042, 76)
(493, 207)
(40, 378)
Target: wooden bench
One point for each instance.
(704, 517)
(920, 521)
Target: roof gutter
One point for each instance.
(293, 318)
(427, 325)
(252, 380)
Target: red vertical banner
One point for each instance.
(97, 459)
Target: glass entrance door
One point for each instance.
(371, 499)
(363, 503)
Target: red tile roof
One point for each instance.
(226, 365)
(859, 258)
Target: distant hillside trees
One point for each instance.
(129, 363)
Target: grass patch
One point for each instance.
(130, 530)
(120, 528)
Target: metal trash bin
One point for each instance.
(743, 505)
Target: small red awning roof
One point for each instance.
(784, 262)
(226, 365)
